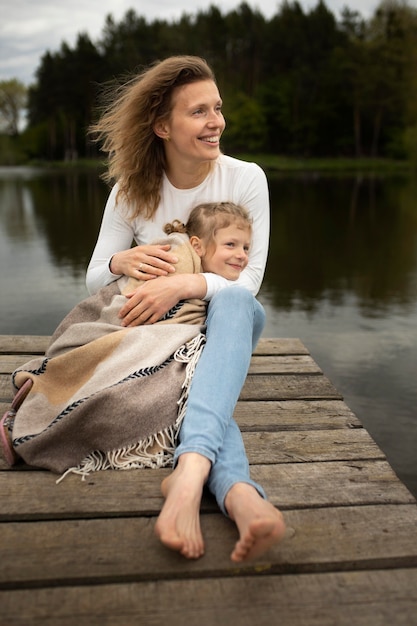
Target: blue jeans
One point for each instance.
(235, 320)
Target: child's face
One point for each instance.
(230, 254)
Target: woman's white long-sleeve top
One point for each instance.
(230, 180)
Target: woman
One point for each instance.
(162, 133)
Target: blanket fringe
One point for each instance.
(157, 450)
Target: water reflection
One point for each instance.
(64, 209)
(341, 276)
(48, 226)
(332, 237)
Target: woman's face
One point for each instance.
(195, 124)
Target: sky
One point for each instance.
(29, 28)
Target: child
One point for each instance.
(220, 233)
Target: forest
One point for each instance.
(302, 83)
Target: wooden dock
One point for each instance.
(84, 552)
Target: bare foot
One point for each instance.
(260, 524)
(178, 524)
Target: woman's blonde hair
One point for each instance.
(207, 218)
(136, 154)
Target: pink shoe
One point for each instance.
(7, 421)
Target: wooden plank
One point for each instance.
(126, 549)
(294, 415)
(36, 496)
(283, 415)
(331, 484)
(279, 364)
(257, 387)
(37, 344)
(307, 447)
(6, 389)
(10, 362)
(286, 364)
(283, 345)
(288, 387)
(360, 598)
(23, 344)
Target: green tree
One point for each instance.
(127, 45)
(243, 49)
(387, 54)
(403, 138)
(354, 65)
(379, 74)
(63, 99)
(13, 96)
(300, 83)
(246, 125)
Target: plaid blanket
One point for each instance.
(104, 396)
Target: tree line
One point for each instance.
(301, 83)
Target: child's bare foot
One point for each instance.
(260, 524)
(178, 524)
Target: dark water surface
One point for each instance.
(341, 276)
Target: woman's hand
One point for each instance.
(144, 262)
(151, 301)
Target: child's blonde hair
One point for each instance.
(207, 218)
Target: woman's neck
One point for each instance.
(183, 179)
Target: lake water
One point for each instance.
(341, 276)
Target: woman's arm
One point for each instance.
(114, 255)
(149, 302)
(153, 299)
(251, 191)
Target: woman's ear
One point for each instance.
(161, 130)
(198, 245)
